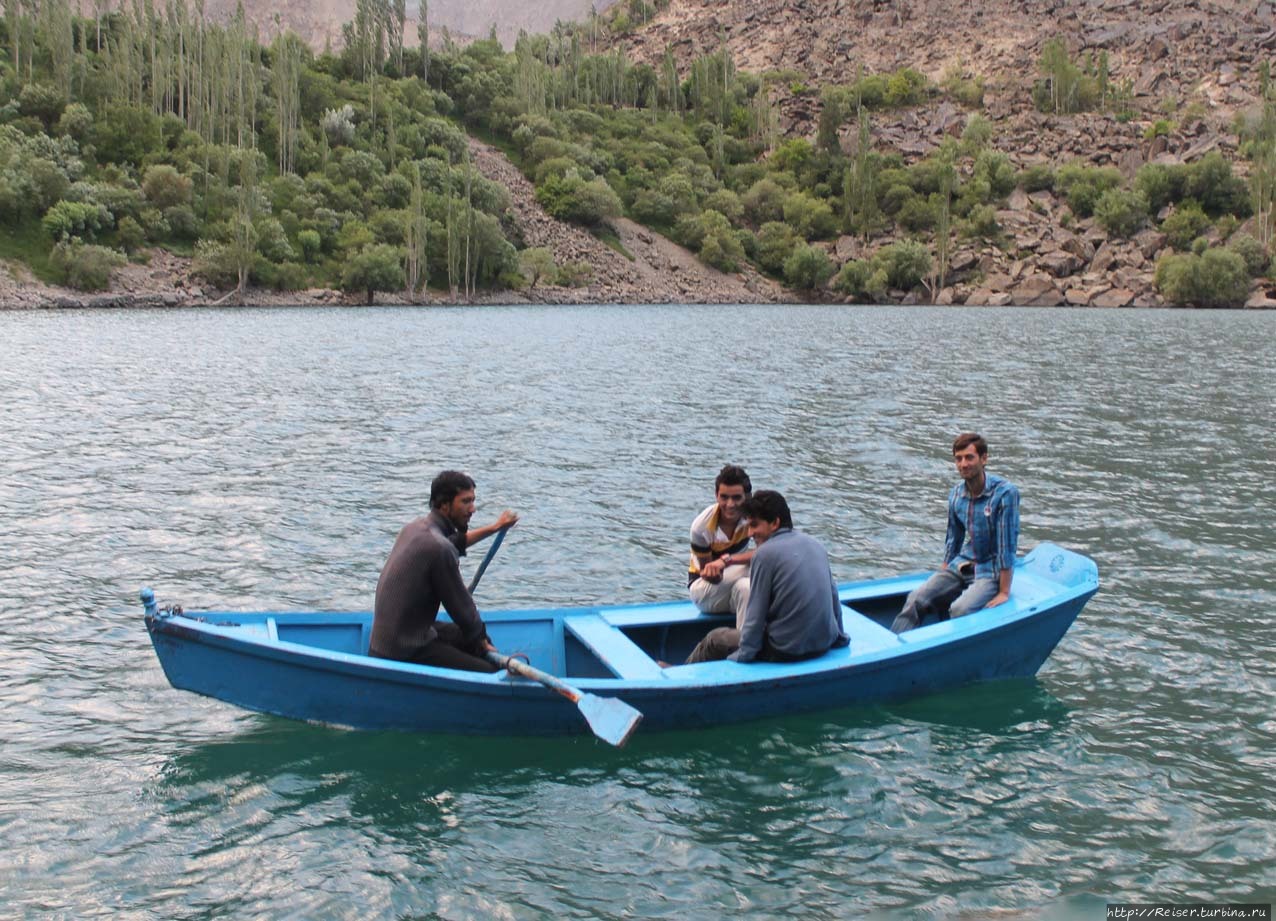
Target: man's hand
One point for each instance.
(999, 598)
(507, 519)
(712, 571)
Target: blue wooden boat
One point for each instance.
(313, 666)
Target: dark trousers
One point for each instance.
(721, 642)
(449, 650)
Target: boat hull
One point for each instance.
(311, 667)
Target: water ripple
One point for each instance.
(250, 458)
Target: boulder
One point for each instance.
(1104, 258)
(1150, 242)
(1059, 263)
(1261, 299)
(847, 248)
(1113, 297)
(1037, 290)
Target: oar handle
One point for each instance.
(491, 552)
(609, 718)
(523, 670)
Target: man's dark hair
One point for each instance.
(446, 485)
(731, 475)
(767, 505)
(966, 439)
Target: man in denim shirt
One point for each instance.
(979, 550)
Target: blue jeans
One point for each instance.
(944, 593)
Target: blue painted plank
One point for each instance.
(617, 651)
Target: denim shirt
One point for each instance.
(992, 520)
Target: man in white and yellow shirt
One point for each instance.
(718, 577)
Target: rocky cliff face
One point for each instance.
(1193, 63)
(319, 21)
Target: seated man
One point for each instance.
(793, 611)
(980, 546)
(424, 571)
(718, 577)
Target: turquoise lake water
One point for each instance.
(266, 459)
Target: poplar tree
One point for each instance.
(423, 35)
(416, 231)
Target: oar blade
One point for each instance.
(612, 720)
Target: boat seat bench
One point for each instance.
(616, 651)
(866, 635)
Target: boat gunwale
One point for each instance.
(913, 646)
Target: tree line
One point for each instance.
(277, 166)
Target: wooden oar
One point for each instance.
(491, 552)
(610, 719)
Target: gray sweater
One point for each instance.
(792, 599)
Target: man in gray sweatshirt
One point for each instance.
(422, 573)
(793, 612)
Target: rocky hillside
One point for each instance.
(319, 21)
(1192, 63)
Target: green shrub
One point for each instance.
(215, 263)
(68, 219)
(655, 209)
(125, 134)
(776, 240)
(537, 264)
(570, 198)
(727, 203)
(1160, 184)
(1121, 212)
(894, 198)
(76, 121)
(272, 241)
(811, 217)
(1082, 185)
(905, 263)
(556, 166)
(152, 220)
(1037, 178)
(1211, 182)
(1184, 224)
(41, 101)
(1215, 278)
(311, 244)
(1252, 253)
(918, 213)
(995, 167)
(575, 274)
(85, 266)
(965, 91)
(182, 222)
(981, 223)
(131, 235)
(165, 187)
(854, 278)
(722, 251)
(906, 87)
(1064, 88)
(280, 276)
(393, 191)
(375, 268)
(808, 267)
(718, 244)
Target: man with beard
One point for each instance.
(423, 572)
